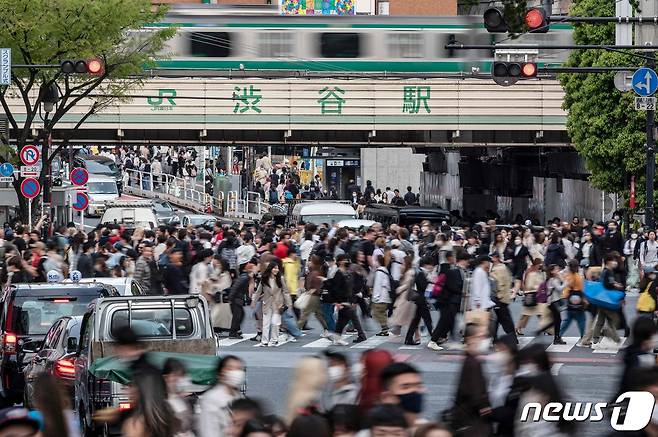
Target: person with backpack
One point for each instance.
(632, 262)
(381, 296)
(449, 300)
(417, 296)
(554, 288)
(576, 302)
(649, 251)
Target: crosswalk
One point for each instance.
(310, 342)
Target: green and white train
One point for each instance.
(211, 39)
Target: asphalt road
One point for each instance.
(583, 374)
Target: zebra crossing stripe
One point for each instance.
(524, 341)
(320, 343)
(571, 342)
(233, 341)
(609, 346)
(370, 343)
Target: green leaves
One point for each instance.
(602, 123)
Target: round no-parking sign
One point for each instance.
(81, 201)
(79, 176)
(30, 188)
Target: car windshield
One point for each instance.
(102, 168)
(325, 218)
(200, 220)
(162, 207)
(32, 316)
(154, 322)
(103, 188)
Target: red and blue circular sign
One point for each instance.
(30, 155)
(81, 201)
(30, 188)
(79, 176)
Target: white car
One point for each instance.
(100, 189)
(125, 286)
(198, 220)
(356, 224)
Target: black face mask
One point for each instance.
(411, 402)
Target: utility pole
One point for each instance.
(651, 158)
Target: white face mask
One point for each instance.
(183, 384)
(634, 236)
(336, 373)
(500, 359)
(517, 242)
(234, 378)
(527, 369)
(357, 371)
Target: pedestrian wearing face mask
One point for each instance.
(605, 316)
(649, 251)
(178, 386)
(503, 363)
(472, 411)
(402, 385)
(214, 416)
(341, 385)
(632, 263)
(612, 241)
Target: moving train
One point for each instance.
(219, 39)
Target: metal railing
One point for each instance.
(252, 204)
(183, 192)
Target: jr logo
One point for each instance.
(164, 94)
(637, 413)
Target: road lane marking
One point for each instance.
(571, 342)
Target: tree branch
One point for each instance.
(70, 132)
(5, 107)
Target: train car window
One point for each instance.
(340, 45)
(210, 44)
(275, 45)
(405, 45)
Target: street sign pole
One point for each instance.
(82, 220)
(29, 214)
(651, 158)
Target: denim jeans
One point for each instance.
(291, 323)
(579, 317)
(328, 311)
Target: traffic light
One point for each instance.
(510, 66)
(534, 20)
(93, 66)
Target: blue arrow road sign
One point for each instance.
(645, 82)
(6, 169)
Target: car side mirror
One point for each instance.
(31, 347)
(71, 345)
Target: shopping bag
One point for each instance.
(221, 316)
(302, 301)
(478, 316)
(601, 297)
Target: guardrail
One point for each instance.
(181, 192)
(249, 207)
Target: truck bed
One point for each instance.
(207, 346)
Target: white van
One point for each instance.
(130, 214)
(320, 212)
(101, 189)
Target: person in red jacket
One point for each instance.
(282, 247)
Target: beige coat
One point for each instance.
(273, 296)
(403, 310)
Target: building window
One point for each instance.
(210, 44)
(275, 45)
(405, 45)
(340, 45)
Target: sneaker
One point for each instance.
(393, 334)
(338, 341)
(434, 346)
(382, 334)
(559, 341)
(261, 345)
(325, 334)
(412, 343)
(235, 336)
(292, 339)
(273, 344)
(581, 344)
(359, 339)
(596, 346)
(256, 338)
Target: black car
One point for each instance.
(26, 313)
(101, 165)
(55, 355)
(165, 212)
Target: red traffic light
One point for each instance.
(529, 69)
(536, 21)
(93, 66)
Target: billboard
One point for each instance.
(318, 7)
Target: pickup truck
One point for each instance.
(170, 324)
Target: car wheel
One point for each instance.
(85, 429)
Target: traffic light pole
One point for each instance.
(651, 159)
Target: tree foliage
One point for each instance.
(603, 125)
(45, 32)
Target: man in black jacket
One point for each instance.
(342, 294)
(420, 286)
(173, 278)
(450, 301)
(237, 296)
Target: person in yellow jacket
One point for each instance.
(292, 267)
(646, 303)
